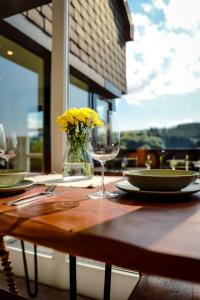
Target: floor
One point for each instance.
(45, 292)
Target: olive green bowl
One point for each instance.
(161, 179)
(11, 177)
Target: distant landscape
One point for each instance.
(184, 136)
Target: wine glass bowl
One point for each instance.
(8, 146)
(2, 141)
(104, 145)
(3, 145)
(11, 145)
(11, 150)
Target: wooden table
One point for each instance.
(153, 236)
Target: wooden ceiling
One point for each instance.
(13, 7)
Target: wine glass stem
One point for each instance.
(102, 178)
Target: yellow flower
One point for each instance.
(61, 120)
(98, 122)
(75, 119)
(82, 118)
(70, 118)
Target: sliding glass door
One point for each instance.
(22, 104)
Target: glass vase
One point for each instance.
(77, 163)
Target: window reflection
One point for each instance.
(102, 108)
(78, 93)
(21, 99)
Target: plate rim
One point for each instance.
(156, 193)
(189, 173)
(19, 186)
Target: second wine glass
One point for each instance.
(3, 145)
(11, 147)
(104, 145)
(2, 140)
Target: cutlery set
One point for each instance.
(49, 191)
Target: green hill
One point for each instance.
(183, 136)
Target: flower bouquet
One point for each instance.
(77, 123)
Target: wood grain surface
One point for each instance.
(159, 288)
(156, 236)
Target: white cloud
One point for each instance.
(160, 4)
(171, 123)
(147, 7)
(160, 60)
(35, 120)
(182, 14)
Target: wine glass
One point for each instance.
(11, 146)
(2, 141)
(103, 146)
(3, 145)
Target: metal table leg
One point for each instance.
(72, 265)
(73, 282)
(27, 280)
(72, 273)
(7, 268)
(107, 282)
(72, 277)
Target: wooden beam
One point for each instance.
(59, 79)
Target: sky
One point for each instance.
(163, 65)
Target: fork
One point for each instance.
(22, 200)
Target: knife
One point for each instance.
(31, 198)
(48, 191)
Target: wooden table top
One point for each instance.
(154, 236)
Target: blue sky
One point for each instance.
(163, 70)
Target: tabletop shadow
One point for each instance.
(13, 218)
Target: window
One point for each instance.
(78, 93)
(102, 107)
(22, 102)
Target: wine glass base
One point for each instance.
(102, 195)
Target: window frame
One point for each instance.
(18, 37)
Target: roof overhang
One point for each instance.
(13, 7)
(129, 26)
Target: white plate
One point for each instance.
(17, 187)
(127, 187)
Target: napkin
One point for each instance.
(58, 179)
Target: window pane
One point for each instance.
(102, 107)
(21, 99)
(78, 93)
